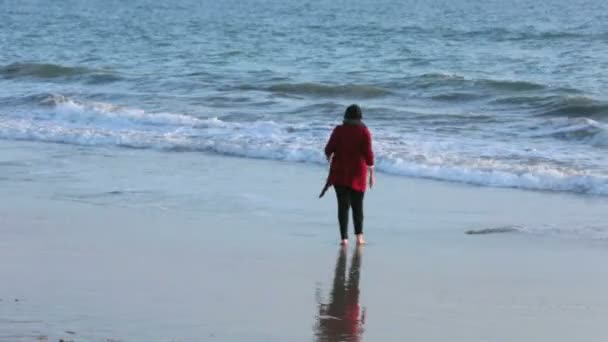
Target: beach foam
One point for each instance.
(62, 119)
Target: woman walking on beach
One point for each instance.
(349, 151)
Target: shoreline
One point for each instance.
(170, 252)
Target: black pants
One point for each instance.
(348, 198)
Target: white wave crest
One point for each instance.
(64, 120)
(106, 114)
(533, 177)
(583, 129)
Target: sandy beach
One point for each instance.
(246, 252)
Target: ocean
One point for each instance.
(489, 93)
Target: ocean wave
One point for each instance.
(328, 90)
(440, 80)
(574, 106)
(438, 119)
(532, 177)
(511, 85)
(501, 34)
(556, 106)
(429, 80)
(102, 114)
(580, 129)
(61, 119)
(46, 70)
(457, 97)
(524, 100)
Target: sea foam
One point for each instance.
(61, 119)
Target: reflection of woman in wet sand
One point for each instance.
(342, 318)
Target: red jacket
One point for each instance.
(351, 147)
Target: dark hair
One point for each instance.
(353, 112)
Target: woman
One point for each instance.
(350, 151)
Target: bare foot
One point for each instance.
(344, 242)
(360, 240)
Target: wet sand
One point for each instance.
(244, 251)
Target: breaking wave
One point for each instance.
(576, 129)
(61, 119)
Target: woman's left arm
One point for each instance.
(369, 157)
(368, 152)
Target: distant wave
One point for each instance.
(328, 90)
(62, 119)
(578, 106)
(503, 34)
(557, 106)
(451, 119)
(41, 70)
(454, 81)
(435, 80)
(44, 70)
(511, 85)
(513, 95)
(457, 97)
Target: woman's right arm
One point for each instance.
(330, 148)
